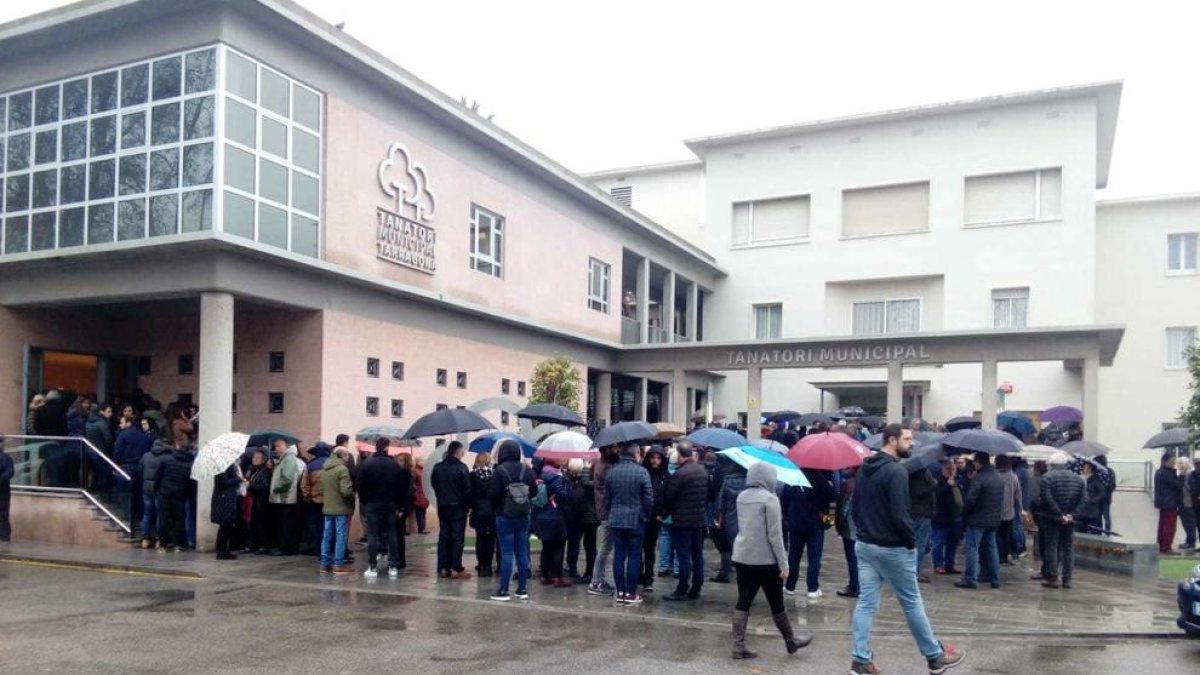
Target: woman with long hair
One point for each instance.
(483, 516)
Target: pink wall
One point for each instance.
(545, 277)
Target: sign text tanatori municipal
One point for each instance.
(848, 355)
(405, 242)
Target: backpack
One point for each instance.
(516, 499)
(541, 498)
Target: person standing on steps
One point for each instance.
(887, 551)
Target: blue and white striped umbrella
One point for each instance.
(785, 471)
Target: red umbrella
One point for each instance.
(829, 450)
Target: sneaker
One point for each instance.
(601, 589)
(815, 595)
(860, 668)
(500, 597)
(393, 572)
(620, 597)
(789, 591)
(370, 573)
(522, 594)
(633, 599)
(951, 656)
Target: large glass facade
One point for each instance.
(199, 140)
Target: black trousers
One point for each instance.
(401, 551)
(314, 528)
(1004, 540)
(452, 531)
(285, 518)
(224, 534)
(261, 530)
(381, 529)
(487, 547)
(171, 531)
(552, 558)
(5, 525)
(751, 578)
(650, 551)
(585, 536)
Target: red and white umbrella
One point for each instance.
(567, 445)
(829, 451)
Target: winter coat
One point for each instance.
(311, 487)
(600, 469)
(419, 499)
(482, 513)
(1010, 507)
(948, 500)
(160, 450)
(451, 483)
(549, 522)
(1094, 494)
(922, 494)
(984, 499)
(628, 495)
(173, 479)
(31, 423)
(581, 511)
(880, 504)
(51, 418)
(76, 423)
(731, 487)
(843, 520)
(509, 470)
(1168, 489)
(225, 496)
(760, 520)
(99, 433)
(658, 481)
(1063, 492)
(804, 508)
(7, 471)
(131, 444)
(337, 489)
(260, 484)
(687, 496)
(286, 478)
(380, 483)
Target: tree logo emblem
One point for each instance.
(405, 180)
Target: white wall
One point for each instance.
(673, 198)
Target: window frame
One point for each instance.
(886, 302)
(1008, 294)
(1195, 244)
(925, 229)
(1182, 364)
(751, 242)
(754, 308)
(495, 240)
(1037, 198)
(597, 303)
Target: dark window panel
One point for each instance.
(187, 363)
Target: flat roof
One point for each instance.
(1107, 94)
(1149, 199)
(47, 27)
(661, 167)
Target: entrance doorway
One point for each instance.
(99, 375)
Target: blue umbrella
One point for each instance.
(1017, 422)
(717, 438)
(785, 471)
(486, 442)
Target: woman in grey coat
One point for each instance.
(760, 559)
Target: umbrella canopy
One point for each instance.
(785, 471)
(924, 458)
(829, 451)
(552, 413)
(809, 419)
(667, 431)
(1017, 422)
(218, 454)
(717, 438)
(958, 423)
(487, 442)
(567, 445)
(393, 434)
(1085, 448)
(1034, 452)
(394, 449)
(265, 438)
(768, 444)
(446, 422)
(782, 415)
(988, 441)
(625, 432)
(1168, 438)
(1062, 414)
(850, 411)
(874, 421)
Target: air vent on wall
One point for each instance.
(623, 194)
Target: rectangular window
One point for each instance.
(1181, 253)
(233, 404)
(441, 377)
(275, 402)
(891, 209)
(768, 321)
(520, 388)
(598, 285)
(461, 380)
(398, 370)
(372, 406)
(275, 362)
(505, 386)
(623, 194)
(1010, 307)
(770, 220)
(397, 407)
(1020, 197)
(504, 418)
(887, 316)
(187, 364)
(487, 242)
(1179, 338)
(440, 406)
(372, 367)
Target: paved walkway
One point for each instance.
(1098, 605)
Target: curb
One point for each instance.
(62, 563)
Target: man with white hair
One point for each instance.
(1062, 494)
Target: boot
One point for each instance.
(146, 544)
(740, 619)
(794, 643)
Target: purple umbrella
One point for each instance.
(1062, 414)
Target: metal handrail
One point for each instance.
(96, 451)
(78, 491)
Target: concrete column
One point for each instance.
(1091, 397)
(895, 392)
(708, 402)
(603, 411)
(988, 399)
(640, 396)
(668, 300)
(679, 399)
(215, 395)
(693, 311)
(643, 300)
(753, 401)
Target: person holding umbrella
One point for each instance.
(982, 507)
(629, 502)
(599, 474)
(285, 492)
(513, 485)
(224, 508)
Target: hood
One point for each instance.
(761, 475)
(161, 447)
(334, 461)
(321, 449)
(184, 456)
(876, 462)
(508, 452)
(655, 450)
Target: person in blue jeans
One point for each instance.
(946, 532)
(629, 501)
(886, 551)
(805, 510)
(922, 487)
(337, 490)
(981, 512)
(512, 481)
(686, 498)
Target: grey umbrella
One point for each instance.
(924, 457)
(446, 422)
(989, 441)
(1168, 438)
(1085, 448)
(625, 432)
(552, 413)
(960, 423)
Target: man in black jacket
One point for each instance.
(7, 469)
(382, 492)
(981, 513)
(1168, 499)
(173, 486)
(1063, 492)
(922, 495)
(687, 500)
(512, 517)
(886, 550)
(452, 488)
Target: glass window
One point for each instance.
(100, 223)
(768, 321)
(164, 169)
(16, 193)
(20, 111)
(239, 169)
(1010, 307)
(272, 226)
(104, 92)
(73, 183)
(16, 234)
(903, 316)
(887, 316)
(1181, 252)
(372, 406)
(102, 179)
(74, 141)
(273, 181)
(104, 136)
(42, 231)
(45, 189)
(3, 114)
(47, 147)
(75, 98)
(274, 137)
(398, 370)
(131, 219)
(274, 93)
(135, 85)
(868, 318)
(197, 211)
(200, 73)
(164, 124)
(460, 380)
(197, 164)
(167, 73)
(598, 285)
(18, 152)
(487, 241)
(198, 118)
(70, 227)
(241, 77)
(1178, 340)
(890, 209)
(164, 215)
(239, 215)
(397, 407)
(46, 108)
(133, 130)
(305, 193)
(132, 175)
(240, 122)
(306, 151)
(304, 235)
(306, 107)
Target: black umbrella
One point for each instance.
(1169, 438)
(446, 422)
(988, 441)
(924, 457)
(552, 413)
(625, 432)
(782, 414)
(265, 438)
(959, 423)
(873, 421)
(809, 419)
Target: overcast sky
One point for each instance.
(618, 83)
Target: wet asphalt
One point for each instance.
(55, 620)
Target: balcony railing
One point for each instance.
(631, 331)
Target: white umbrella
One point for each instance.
(218, 455)
(768, 444)
(567, 445)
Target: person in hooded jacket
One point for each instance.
(732, 484)
(805, 510)
(483, 516)
(132, 442)
(512, 517)
(655, 463)
(173, 486)
(337, 505)
(313, 496)
(152, 522)
(760, 559)
(582, 522)
(224, 512)
(550, 524)
(258, 495)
